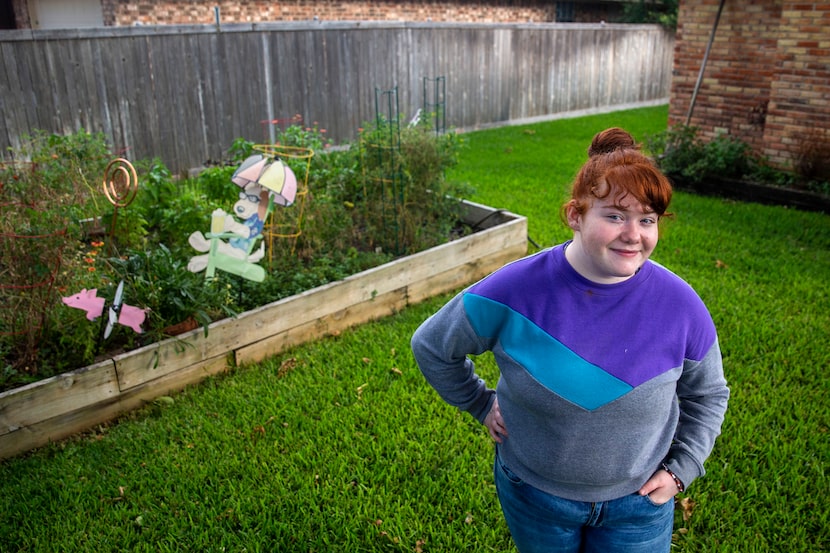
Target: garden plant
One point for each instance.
(682, 153)
(340, 445)
(349, 220)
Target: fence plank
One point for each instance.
(185, 93)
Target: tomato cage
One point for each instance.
(287, 224)
(30, 257)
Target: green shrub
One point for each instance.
(663, 13)
(47, 188)
(61, 171)
(405, 202)
(680, 152)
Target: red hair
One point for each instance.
(617, 167)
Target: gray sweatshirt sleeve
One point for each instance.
(441, 346)
(703, 396)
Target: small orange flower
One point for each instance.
(91, 269)
(89, 259)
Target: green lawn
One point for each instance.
(340, 445)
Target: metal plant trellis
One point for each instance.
(435, 105)
(385, 179)
(29, 262)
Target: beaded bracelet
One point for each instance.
(674, 477)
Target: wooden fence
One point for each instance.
(185, 93)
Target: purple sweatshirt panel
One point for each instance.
(604, 324)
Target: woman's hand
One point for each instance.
(661, 487)
(495, 423)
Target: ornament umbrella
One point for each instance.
(275, 176)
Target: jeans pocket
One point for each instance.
(653, 503)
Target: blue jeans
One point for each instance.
(543, 523)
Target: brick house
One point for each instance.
(41, 14)
(767, 78)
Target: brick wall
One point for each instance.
(767, 80)
(156, 12)
(187, 12)
(799, 110)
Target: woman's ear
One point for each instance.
(572, 215)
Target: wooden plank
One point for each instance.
(84, 417)
(380, 306)
(463, 275)
(8, 94)
(160, 359)
(25, 90)
(55, 396)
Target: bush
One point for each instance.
(407, 203)
(47, 189)
(680, 152)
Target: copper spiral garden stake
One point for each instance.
(120, 187)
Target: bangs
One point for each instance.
(637, 178)
(621, 173)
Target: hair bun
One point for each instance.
(611, 140)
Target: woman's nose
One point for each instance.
(630, 232)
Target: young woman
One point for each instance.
(611, 389)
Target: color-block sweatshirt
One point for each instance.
(599, 384)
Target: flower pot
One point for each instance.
(186, 325)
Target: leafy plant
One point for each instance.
(160, 281)
(46, 189)
(662, 12)
(404, 191)
(62, 171)
(680, 151)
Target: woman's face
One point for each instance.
(612, 239)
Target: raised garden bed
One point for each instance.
(55, 408)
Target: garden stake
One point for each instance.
(120, 187)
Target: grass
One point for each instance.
(340, 445)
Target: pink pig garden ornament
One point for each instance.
(89, 301)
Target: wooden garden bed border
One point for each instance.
(55, 408)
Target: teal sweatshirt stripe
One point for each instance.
(549, 361)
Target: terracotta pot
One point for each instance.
(180, 328)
